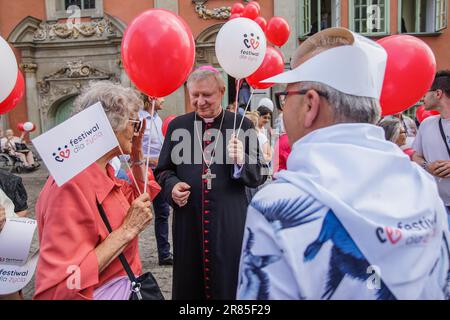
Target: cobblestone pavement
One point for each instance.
(34, 183)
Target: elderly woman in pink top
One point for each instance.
(78, 256)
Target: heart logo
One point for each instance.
(65, 154)
(254, 43)
(394, 235)
(246, 43)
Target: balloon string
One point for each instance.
(129, 169)
(236, 104)
(245, 111)
(147, 161)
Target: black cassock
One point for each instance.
(208, 230)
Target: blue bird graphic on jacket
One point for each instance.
(282, 214)
(346, 259)
(257, 280)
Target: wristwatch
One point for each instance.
(425, 165)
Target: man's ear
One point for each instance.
(312, 101)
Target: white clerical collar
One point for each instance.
(211, 120)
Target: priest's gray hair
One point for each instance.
(120, 103)
(202, 74)
(347, 108)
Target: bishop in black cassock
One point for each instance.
(208, 230)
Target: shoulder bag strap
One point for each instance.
(444, 138)
(122, 258)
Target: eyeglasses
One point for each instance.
(137, 125)
(282, 96)
(285, 94)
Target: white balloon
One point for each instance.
(240, 47)
(8, 69)
(28, 126)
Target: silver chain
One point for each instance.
(213, 153)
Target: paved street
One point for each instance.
(35, 181)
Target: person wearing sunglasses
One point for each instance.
(78, 256)
(351, 217)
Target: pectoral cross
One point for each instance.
(208, 176)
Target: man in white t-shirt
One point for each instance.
(433, 147)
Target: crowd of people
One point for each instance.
(328, 201)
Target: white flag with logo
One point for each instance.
(75, 144)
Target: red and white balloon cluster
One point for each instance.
(277, 30)
(12, 84)
(26, 127)
(231, 53)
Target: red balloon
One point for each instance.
(272, 65)
(262, 23)
(254, 3)
(234, 16)
(166, 122)
(422, 114)
(237, 8)
(15, 96)
(251, 12)
(278, 31)
(158, 52)
(410, 71)
(20, 127)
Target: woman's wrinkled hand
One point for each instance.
(138, 217)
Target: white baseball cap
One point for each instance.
(356, 69)
(266, 102)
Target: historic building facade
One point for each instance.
(61, 49)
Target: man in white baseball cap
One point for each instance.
(352, 217)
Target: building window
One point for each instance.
(82, 4)
(423, 16)
(61, 9)
(441, 14)
(316, 15)
(369, 17)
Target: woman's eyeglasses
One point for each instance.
(137, 125)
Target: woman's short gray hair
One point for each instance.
(117, 101)
(392, 128)
(202, 74)
(348, 108)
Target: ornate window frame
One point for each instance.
(55, 10)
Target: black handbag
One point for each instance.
(144, 287)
